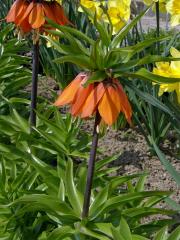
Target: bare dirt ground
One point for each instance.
(135, 157)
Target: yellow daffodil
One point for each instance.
(118, 11)
(92, 6)
(173, 7)
(169, 70)
(162, 4)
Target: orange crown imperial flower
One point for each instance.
(107, 97)
(28, 15)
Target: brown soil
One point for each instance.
(134, 157)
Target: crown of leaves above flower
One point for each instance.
(105, 55)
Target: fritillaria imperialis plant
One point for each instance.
(29, 16)
(105, 63)
(43, 200)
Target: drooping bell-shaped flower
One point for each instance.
(107, 97)
(31, 15)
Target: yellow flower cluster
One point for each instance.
(169, 70)
(118, 11)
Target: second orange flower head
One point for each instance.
(31, 15)
(107, 97)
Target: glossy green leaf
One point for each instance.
(97, 76)
(125, 53)
(101, 163)
(116, 201)
(168, 166)
(124, 230)
(146, 75)
(102, 29)
(151, 99)
(72, 31)
(117, 181)
(73, 195)
(61, 233)
(116, 234)
(175, 235)
(42, 201)
(139, 212)
(100, 198)
(162, 234)
(61, 193)
(123, 66)
(91, 233)
(80, 60)
(140, 185)
(104, 228)
(138, 237)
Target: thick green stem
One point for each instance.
(35, 70)
(157, 26)
(91, 166)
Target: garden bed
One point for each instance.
(135, 157)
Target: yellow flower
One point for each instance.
(93, 6)
(119, 13)
(173, 7)
(169, 70)
(162, 4)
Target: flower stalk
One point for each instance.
(157, 26)
(91, 166)
(35, 70)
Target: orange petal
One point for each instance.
(36, 16)
(59, 14)
(80, 98)
(125, 105)
(20, 15)
(109, 106)
(70, 91)
(93, 99)
(48, 11)
(14, 11)
(25, 26)
(27, 12)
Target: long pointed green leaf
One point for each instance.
(162, 234)
(144, 74)
(61, 233)
(168, 166)
(175, 235)
(72, 193)
(72, 31)
(79, 60)
(116, 201)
